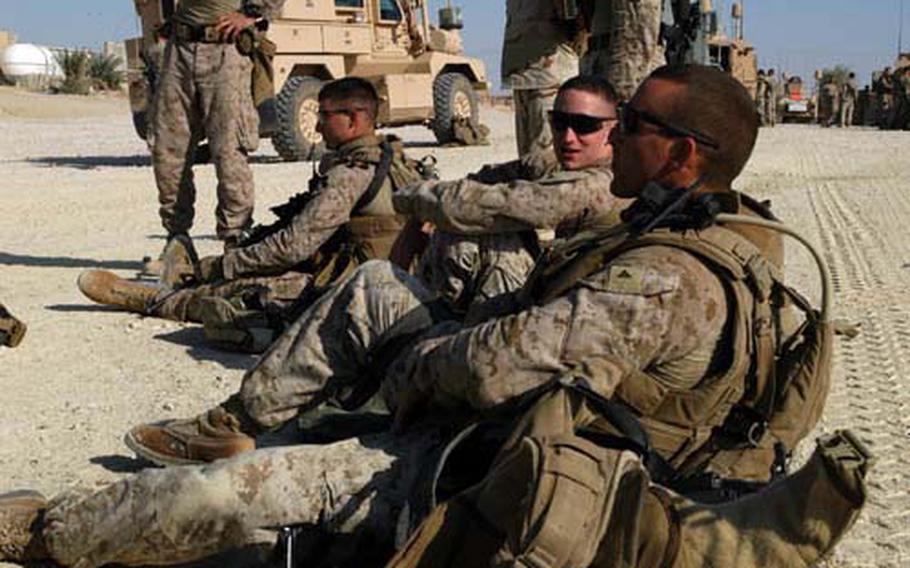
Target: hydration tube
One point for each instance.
(823, 270)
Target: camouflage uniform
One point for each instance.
(849, 94)
(901, 81)
(669, 319)
(204, 91)
(537, 57)
(348, 173)
(761, 94)
(625, 42)
(884, 95)
(770, 100)
(831, 96)
(489, 224)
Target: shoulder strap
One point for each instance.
(379, 177)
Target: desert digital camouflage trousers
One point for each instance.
(179, 514)
(336, 344)
(532, 125)
(333, 345)
(627, 36)
(473, 274)
(278, 292)
(204, 93)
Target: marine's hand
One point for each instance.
(414, 198)
(230, 25)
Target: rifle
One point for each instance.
(285, 213)
(679, 36)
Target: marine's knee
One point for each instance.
(374, 272)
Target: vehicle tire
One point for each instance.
(453, 97)
(297, 106)
(141, 124)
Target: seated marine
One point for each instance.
(490, 227)
(345, 218)
(636, 311)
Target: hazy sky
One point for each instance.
(794, 35)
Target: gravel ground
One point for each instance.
(78, 192)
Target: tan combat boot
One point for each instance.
(21, 514)
(211, 436)
(107, 288)
(175, 263)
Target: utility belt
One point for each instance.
(191, 34)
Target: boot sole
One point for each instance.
(154, 457)
(26, 497)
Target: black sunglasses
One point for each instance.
(581, 124)
(630, 119)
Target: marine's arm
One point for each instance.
(604, 328)
(530, 167)
(470, 207)
(269, 9)
(309, 229)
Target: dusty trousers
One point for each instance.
(334, 347)
(532, 124)
(179, 514)
(272, 293)
(203, 92)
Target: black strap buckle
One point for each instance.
(746, 426)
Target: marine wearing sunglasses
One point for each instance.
(581, 121)
(631, 120)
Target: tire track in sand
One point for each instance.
(867, 394)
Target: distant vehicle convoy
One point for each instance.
(421, 72)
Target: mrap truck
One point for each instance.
(419, 69)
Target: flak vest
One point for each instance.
(740, 419)
(373, 227)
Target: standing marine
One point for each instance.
(625, 43)
(771, 98)
(849, 94)
(204, 91)
(538, 55)
(761, 97)
(345, 218)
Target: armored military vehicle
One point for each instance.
(711, 46)
(420, 70)
(797, 105)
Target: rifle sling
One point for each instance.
(382, 172)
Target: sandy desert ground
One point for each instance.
(77, 192)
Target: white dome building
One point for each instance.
(26, 62)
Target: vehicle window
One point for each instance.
(389, 10)
(349, 3)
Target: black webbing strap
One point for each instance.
(379, 177)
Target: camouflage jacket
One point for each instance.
(345, 176)
(206, 12)
(656, 310)
(669, 320)
(536, 50)
(530, 193)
